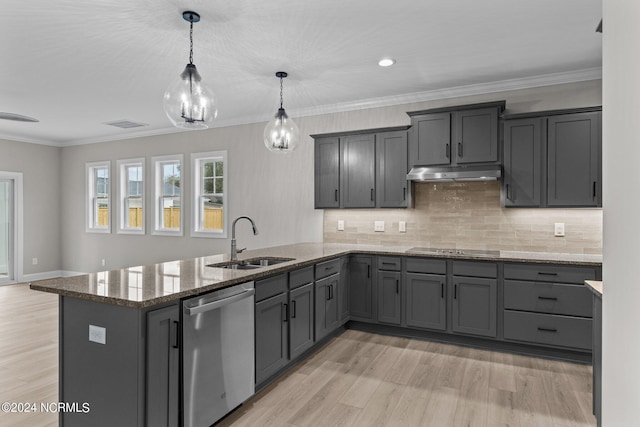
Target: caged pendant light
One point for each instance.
(188, 103)
(281, 133)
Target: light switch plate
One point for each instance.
(97, 334)
(340, 225)
(558, 229)
(378, 226)
(402, 226)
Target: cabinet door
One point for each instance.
(391, 170)
(474, 306)
(426, 301)
(162, 367)
(271, 336)
(301, 320)
(430, 140)
(476, 136)
(522, 153)
(326, 305)
(573, 176)
(358, 179)
(343, 297)
(389, 297)
(327, 173)
(360, 288)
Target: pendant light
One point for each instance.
(281, 133)
(188, 103)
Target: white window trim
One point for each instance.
(122, 194)
(89, 194)
(18, 224)
(196, 184)
(157, 192)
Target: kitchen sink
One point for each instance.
(250, 264)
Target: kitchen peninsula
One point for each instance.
(524, 302)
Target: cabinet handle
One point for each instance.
(336, 195)
(549, 298)
(459, 149)
(542, 273)
(293, 309)
(547, 329)
(397, 286)
(442, 290)
(388, 263)
(286, 312)
(331, 267)
(177, 341)
(372, 194)
(446, 151)
(508, 195)
(455, 291)
(368, 271)
(595, 191)
(327, 292)
(404, 193)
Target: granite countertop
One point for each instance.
(155, 284)
(595, 286)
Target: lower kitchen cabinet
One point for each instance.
(597, 358)
(327, 309)
(360, 288)
(474, 308)
(343, 298)
(272, 337)
(301, 307)
(163, 370)
(389, 297)
(426, 301)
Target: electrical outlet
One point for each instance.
(97, 334)
(340, 225)
(34, 261)
(378, 226)
(103, 262)
(402, 226)
(558, 229)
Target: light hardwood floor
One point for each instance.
(357, 379)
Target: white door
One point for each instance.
(7, 274)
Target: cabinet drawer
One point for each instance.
(548, 329)
(475, 269)
(266, 288)
(549, 273)
(300, 277)
(553, 298)
(389, 263)
(327, 268)
(426, 265)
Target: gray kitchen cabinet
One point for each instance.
(475, 297)
(358, 179)
(327, 173)
(391, 169)
(301, 317)
(272, 338)
(455, 136)
(426, 301)
(573, 177)
(389, 297)
(343, 298)
(163, 370)
(360, 288)
(327, 310)
(522, 168)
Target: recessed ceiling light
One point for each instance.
(386, 62)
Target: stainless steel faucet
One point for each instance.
(234, 250)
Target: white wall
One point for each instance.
(40, 165)
(621, 204)
(275, 190)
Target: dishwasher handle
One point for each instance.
(219, 303)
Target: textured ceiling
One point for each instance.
(75, 65)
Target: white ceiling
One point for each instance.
(75, 65)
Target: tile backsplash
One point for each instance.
(469, 215)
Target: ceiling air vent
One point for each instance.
(125, 124)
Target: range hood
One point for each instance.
(455, 173)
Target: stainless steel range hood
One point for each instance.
(455, 173)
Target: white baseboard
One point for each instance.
(49, 275)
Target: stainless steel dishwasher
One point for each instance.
(218, 353)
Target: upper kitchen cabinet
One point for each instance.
(467, 134)
(361, 169)
(553, 159)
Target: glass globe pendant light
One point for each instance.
(281, 133)
(188, 103)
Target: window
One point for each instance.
(98, 205)
(169, 218)
(209, 188)
(131, 196)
